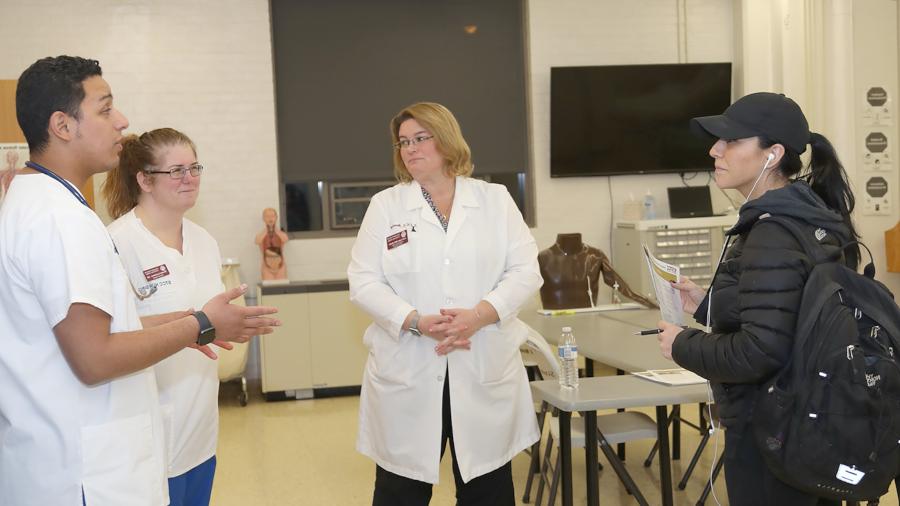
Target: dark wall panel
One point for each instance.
(344, 68)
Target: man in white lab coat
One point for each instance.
(442, 263)
(79, 416)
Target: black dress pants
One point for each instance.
(492, 489)
(749, 481)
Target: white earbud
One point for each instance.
(763, 171)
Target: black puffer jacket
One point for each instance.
(755, 298)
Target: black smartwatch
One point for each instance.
(414, 325)
(207, 331)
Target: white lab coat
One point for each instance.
(487, 253)
(58, 436)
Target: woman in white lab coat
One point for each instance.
(442, 263)
(174, 265)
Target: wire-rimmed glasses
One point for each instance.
(178, 171)
(405, 143)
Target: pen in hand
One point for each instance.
(651, 332)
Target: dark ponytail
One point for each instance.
(827, 178)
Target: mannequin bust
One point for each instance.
(272, 236)
(271, 242)
(571, 272)
(273, 264)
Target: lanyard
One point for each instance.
(44, 170)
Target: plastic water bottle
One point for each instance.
(568, 357)
(649, 206)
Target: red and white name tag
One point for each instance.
(160, 271)
(398, 239)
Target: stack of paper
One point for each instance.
(671, 376)
(662, 275)
(596, 309)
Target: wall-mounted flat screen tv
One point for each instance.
(633, 119)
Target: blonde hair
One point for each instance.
(448, 139)
(121, 189)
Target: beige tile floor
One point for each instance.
(302, 453)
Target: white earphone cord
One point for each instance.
(763, 171)
(710, 400)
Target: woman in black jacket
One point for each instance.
(751, 307)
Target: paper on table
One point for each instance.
(668, 298)
(671, 376)
(596, 309)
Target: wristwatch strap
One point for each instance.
(414, 325)
(207, 331)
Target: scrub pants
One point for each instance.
(492, 489)
(749, 481)
(194, 487)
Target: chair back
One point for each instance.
(537, 350)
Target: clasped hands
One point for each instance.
(452, 329)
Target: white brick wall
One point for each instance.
(201, 66)
(205, 67)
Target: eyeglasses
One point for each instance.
(178, 171)
(405, 143)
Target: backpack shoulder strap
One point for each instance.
(810, 245)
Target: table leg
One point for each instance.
(620, 448)
(590, 458)
(565, 450)
(665, 469)
(676, 432)
(703, 415)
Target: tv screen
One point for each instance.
(633, 119)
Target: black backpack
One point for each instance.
(828, 423)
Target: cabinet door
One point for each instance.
(285, 360)
(336, 328)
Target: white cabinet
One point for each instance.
(693, 244)
(318, 348)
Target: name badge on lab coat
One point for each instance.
(397, 240)
(160, 271)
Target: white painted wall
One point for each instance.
(875, 53)
(609, 32)
(825, 55)
(205, 67)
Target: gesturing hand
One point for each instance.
(238, 323)
(206, 350)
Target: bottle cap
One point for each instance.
(567, 329)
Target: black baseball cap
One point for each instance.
(772, 115)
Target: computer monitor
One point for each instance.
(690, 202)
